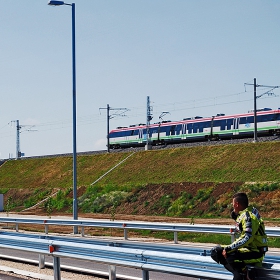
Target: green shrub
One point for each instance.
(179, 206)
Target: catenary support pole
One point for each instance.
(255, 111)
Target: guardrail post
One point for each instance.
(83, 231)
(75, 229)
(56, 268)
(145, 274)
(232, 234)
(46, 229)
(125, 233)
(112, 272)
(175, 237)
(16, 227)
(41, 257)
(41, 261)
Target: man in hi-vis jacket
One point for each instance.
(251, 245)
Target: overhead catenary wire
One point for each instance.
(139, 112)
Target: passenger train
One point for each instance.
(218, 127)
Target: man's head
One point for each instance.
(239, 202)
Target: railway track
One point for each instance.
(169, 146)
(160, 147)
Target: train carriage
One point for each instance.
(218, 127)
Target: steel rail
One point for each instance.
(109, 242)
(128, 244)
(173, 259)
(146, 260)
(126, 225)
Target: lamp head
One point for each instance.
(56, 3)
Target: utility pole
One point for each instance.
(149, 118)
(19, 154)
(108, 108)
(269, 92)
(255, 111)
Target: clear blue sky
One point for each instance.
(192, 57)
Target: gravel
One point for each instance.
(27, 271)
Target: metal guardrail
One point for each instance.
(145, 259)
(159, 258)
(126, 225)
(173, 259)
(128, 245)
(113, 243)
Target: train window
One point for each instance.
(220, 123)
(260, 119)
(122, 133)
(195, 127)
(165, 129)
(277, 117)
(200, 127)
(189, 128)
(208, 124)
(229, 123)
(223, 124)
(178, 129)
(132, 133)
(217, 123)
(243, 120)
(127, 133)
(172, 130)
(270, 118)
(114, 135)
(250, 119)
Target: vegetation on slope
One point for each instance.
(174, 182)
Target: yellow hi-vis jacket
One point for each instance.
(250, 226)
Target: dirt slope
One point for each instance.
(151, 203)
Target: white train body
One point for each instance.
(198, 129)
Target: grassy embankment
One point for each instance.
(27, 181)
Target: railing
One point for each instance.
(126, 225)
(175, 259)
(145, 259)
(127, 244)
(172, 259)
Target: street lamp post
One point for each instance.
(75, 202)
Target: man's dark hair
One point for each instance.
(242, 198)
